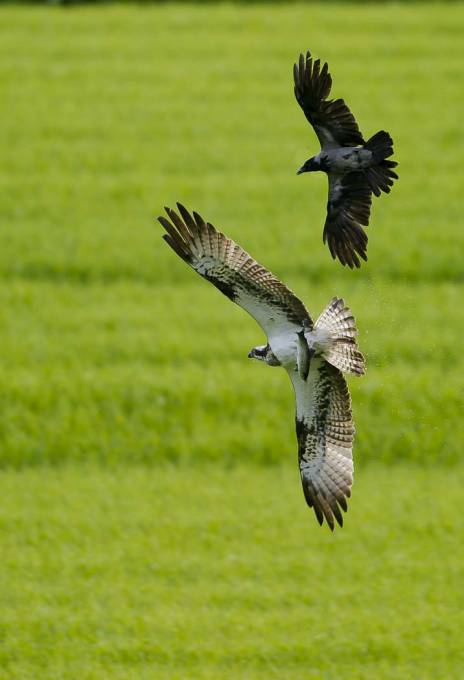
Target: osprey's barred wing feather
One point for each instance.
(325, 433)
(331, 119)
(234, 272)
(343, 352)
(348, 208)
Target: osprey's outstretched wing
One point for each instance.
(223, 262)
(348, 207)
(331, 119)
(325, 433)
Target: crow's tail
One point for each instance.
(381, 175)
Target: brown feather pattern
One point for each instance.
(325, 445)
(230, 268)
(343, 352)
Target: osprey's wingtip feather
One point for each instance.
(190, 224)
(182, 228)
(177, 248)
(177, 237)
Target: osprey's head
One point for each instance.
(310, 165)
(264, 353)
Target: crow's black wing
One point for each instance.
(331, 119)
(348, 208)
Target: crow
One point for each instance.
(355, 168)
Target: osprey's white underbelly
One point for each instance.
(284, 346)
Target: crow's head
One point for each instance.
(311, 165)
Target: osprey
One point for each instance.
(313, 354)
(355, 168)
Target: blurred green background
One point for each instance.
(152, 521)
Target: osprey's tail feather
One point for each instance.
(343, 352)
(381, 176)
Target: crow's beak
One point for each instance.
(301, 170)
(251, 355)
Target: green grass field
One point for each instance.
(164, 574)
(143, 530)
